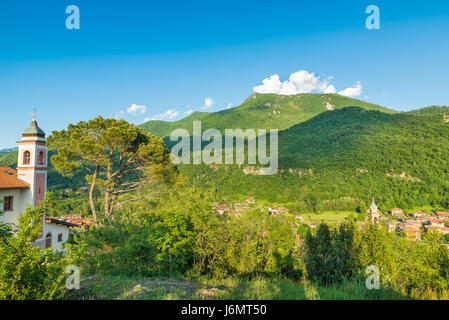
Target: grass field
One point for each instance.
(427, 208)
(259, 288)
(328, 216)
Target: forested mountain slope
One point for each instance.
(340, 159)
(264, 111)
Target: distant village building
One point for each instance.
(392, 226)
(274, 211)
(27, 186)
(250, 200)
(422, 219)
(437, 228)
(411, 230)
(436, 223)
(222, 208)
(374, 212)
(443, 215)
(398, 213)
(418, 214)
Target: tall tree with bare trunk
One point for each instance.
(118, 157)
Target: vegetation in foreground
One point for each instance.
(231, 288)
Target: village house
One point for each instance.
(418, 214)
(250, 200)
(28, 185)
(240, 207)
(299, 218)
(443, 215)
(410, 230)
(436, 222)
(272, 210)
(424, 220)
(437, 228)
(396, 211)
(77, 219)
(222, 208)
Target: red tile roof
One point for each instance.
(57, 220)
(78, 219)
(443, 214)
(9, 179)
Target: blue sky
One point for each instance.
(169, 56)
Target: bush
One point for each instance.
(25, 271)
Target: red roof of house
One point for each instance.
(409, 227)
(57, 220)
(10, 180)
(443, 214)
(77, 219)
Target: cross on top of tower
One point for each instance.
(33, 114)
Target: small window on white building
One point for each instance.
(60, 237)
(8, 204)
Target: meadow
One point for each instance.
(234, 288)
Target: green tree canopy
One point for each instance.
(118, 156)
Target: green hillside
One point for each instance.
(55, 180)
(9, 159)
(340, 159)
(264, 111)
(430, 110)
(163, 128)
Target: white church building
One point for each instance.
(27, 186)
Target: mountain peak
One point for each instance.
(264, 111)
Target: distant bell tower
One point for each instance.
(374, 212)
(32, 164)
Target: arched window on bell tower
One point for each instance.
(41, 157)
(26, 158)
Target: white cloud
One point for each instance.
(169, 114)
(135, 109)
(298, 82)
(270, 85)
(330, 89)
(229, 106)
(119, 115)
(355, 91)
(208, 103)
(303, 82)
(188, 112)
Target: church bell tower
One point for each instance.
(374, 212)
(32, 163)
